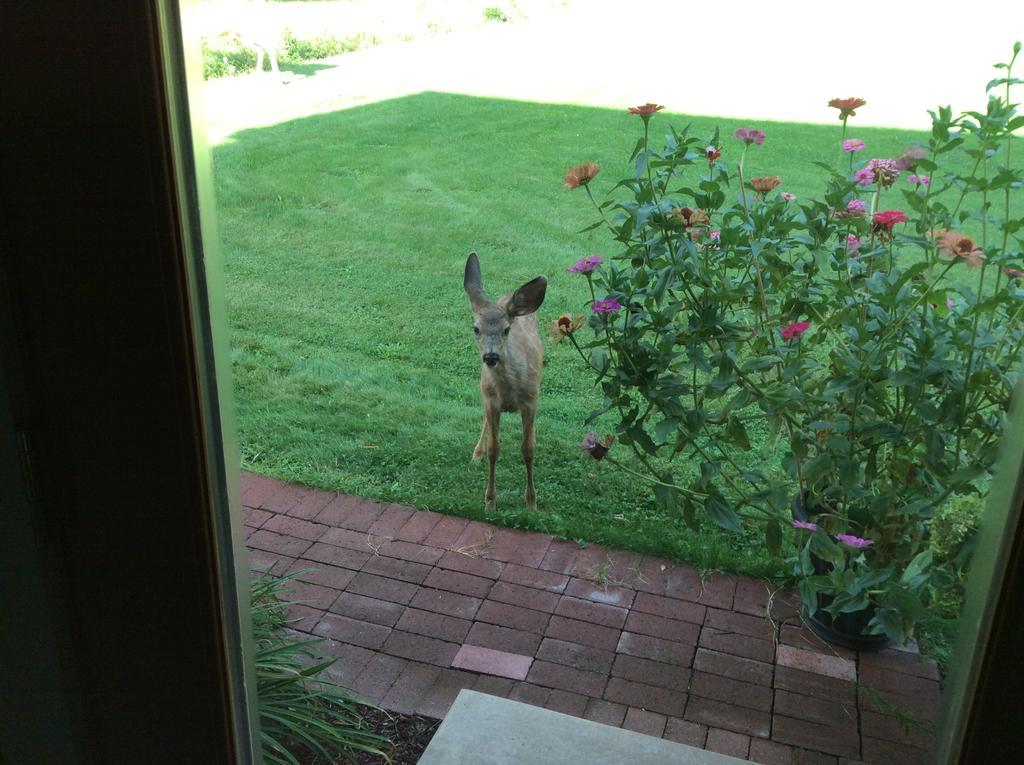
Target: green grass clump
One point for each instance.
(301, 714)
(355, 369)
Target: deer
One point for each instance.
(511, 361)
(255, 28)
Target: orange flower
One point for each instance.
(957, 245)
(847, 106)
(565, 325)
(646, 110)
(764, 185)
(691, 217)
(581, 175)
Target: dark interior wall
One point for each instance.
(97, 296)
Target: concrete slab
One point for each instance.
(480, 729)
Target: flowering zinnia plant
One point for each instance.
(726, 313)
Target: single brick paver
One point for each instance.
(728, 742)
(642, 721)
(607, 712)
(491, 662)
(567, 703)
(534, 577)
(576, 655)
(611, 595)
(416, 605)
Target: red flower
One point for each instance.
(581, 175)
(795, 329)
(886, 219)
(645, 111)
(847, 106)
(712, 154)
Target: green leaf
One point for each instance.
(666, 495)
(917, 571)
(721, 512)
(773, 537)
(690, 515)
(825, 548)
(736, 433)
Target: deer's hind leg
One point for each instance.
(529, 442)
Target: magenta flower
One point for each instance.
(787, 196)
(950, 303)
(852, 244)
(851, 541)
(585, 265)
(795, 329)
(805, 525)
(850, 145)
(856, 207)
(864, 176)
(749, 136)
(919, 180)
(607, 305)
(593, 447)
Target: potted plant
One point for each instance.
(876, 331)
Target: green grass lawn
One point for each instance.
(355, 368)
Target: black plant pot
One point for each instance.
(845, 629)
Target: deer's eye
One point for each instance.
(506, 331)
(476, 330)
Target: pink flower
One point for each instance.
(787, 196)
(851, 541)
(795, 330)
(856, 207)
(805, 525)
(749, 136)
(908, 160)
(716, 234)
(950, 303)
(850, 145)
(884, 171)
(607, 305)
(852, 244)
(919, 180)
(1014, 273)
(585, 265)
(864, 177)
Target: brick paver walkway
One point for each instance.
(419, 605)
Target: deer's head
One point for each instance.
(492, 322)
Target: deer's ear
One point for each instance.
(528, 298)
(473, 282)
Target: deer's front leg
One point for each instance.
(529, 442)
(481, 444)
(493, 415)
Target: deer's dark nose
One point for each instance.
(490, 359)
